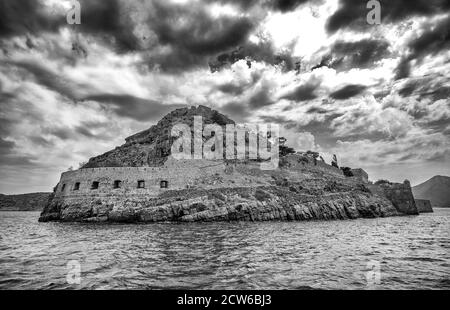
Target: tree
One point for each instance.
(379, 182)
(313, 154)
(347, 171)
(283, 149)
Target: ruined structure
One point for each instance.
(141, 182)
(360, 174)
(423, 206)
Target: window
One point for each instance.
(117, 184)
(94, 185)
(63, 187)
(76, 186)
(164, 184)
(141, 184)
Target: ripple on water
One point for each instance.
(411, 253)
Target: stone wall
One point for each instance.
(423, 205)
(307, 161)
(199, 177)
(178, 174)
(360, 174)
(399, 194)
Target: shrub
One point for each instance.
(347, 171)
(303, 159)
(285, 150)
(261, 195)
(379, 182)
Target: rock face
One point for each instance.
(24, 202)
(361, 174)
(245, 204)
(151, 147)
(436, 189)
(423, 206)
(140, 182)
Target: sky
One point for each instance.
(376, 95)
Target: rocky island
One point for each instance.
(141, 181)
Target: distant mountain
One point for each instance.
(436, 189)
(24, 202)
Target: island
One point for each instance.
(141, 181)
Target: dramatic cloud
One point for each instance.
(434, 39)
(47, 78)
(26, 16)
(136, 108)
(352, 13)
(375, 95)
(303, 92)
(359, 54)
(347, 92)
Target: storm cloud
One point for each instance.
(139, 109)
(375, 95)
(303, 92)
(347, 91)
(25, 16)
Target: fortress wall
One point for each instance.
(360, 174)
(178, 174)
(399, 194)
(297, 160)
(423, 205)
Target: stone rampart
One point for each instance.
(399, 194)
(134, 181)
(423, 205)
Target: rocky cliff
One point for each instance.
(24, 202)
(287, 201)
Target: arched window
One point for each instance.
(95, 185)
(117, 184)
(76, 186)
(141, 184)
(164, 184)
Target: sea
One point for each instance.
(407, 252)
